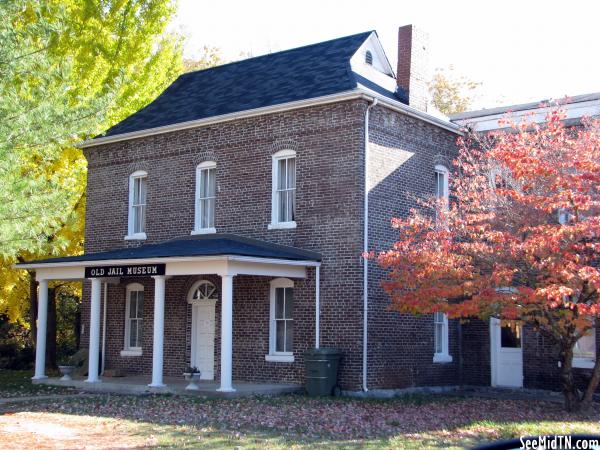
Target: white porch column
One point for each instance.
(317, 306)
(159, 332)
(94, 352)
(40, 343)
(226, 333)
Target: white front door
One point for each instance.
(203, 338)
(506, 353)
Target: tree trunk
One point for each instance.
(78, 327)
(588, 397)
(51, 330)
(33, 301)
(572, 398)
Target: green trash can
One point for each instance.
(321, 367)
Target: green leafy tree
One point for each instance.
(452, 93)
(68, 70)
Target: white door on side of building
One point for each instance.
(203, 338)
(506, 353)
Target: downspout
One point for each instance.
(366, 249)
(104, 329)
(318, 306)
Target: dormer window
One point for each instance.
(369, 58)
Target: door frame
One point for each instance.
(195, 304)
(494, 346)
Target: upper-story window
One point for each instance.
(441, 182)
(369, 58)
(206, 195)
(138, 187)
(284, 190)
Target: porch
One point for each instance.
(223, 256)
(140, 384)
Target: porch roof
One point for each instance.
(218, 244)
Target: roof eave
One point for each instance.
(157, 260)
(333, 98)
(413, 112)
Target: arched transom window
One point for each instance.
(203, 290)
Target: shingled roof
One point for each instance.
(298, 74)
(218, 244)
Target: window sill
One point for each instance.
(583, 363)
(442, 358)
(279, 358)
(282, 225)
(204, 231)
(131, 353)
(135, 237)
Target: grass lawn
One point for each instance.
(17, 383)
(286, 422)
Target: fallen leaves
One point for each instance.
(307, 419)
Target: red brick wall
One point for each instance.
(540, 362)
(250, 328)
(328, 141)
(404, 152)
(476, 368)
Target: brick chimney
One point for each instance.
(413, 67)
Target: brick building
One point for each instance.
(226, 222)
(529, 359)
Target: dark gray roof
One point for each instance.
(200, 245)
(298, 74)
(521, 107)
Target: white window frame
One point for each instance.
(273, 355)
(275, 224)
(203, 167)
(131, 234)
(442, 171)
(584, 361)
(444, 355)
(445, 173)
(127, 350)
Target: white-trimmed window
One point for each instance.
(584, 352)
(138, 187)
(284, 190)
(134, 312)
(440, 338)
(206, 197)
(281, 335)
(441, 185)
(441, 182)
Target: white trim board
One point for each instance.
(108, 262)
(222, 265)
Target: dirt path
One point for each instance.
(26, 430)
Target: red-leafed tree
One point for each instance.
(519, 240)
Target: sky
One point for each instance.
(521, 50)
